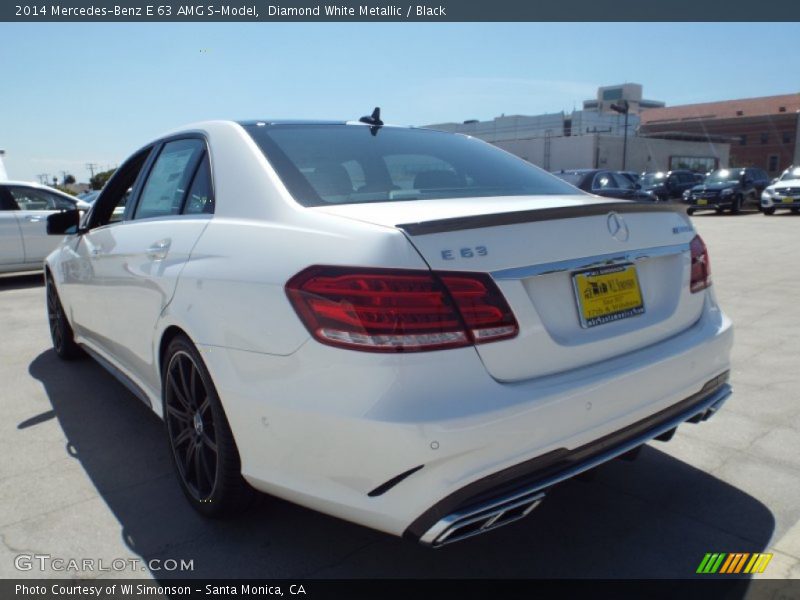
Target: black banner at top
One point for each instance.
(397, 10)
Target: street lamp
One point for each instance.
(622, 107)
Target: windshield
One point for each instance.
(723, 175)
(650, 179)
(791, 174)
(346, 164)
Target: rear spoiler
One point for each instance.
(529, 216)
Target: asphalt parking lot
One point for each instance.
(86, 473)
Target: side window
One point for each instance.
(33, 199)
(604, 181)
(201, 194)
(169, 178)
(7, 201)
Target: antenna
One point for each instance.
(374, 120)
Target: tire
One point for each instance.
(201, 443)
(796, 211)
(719, 211)
(689, 211)
(60, 330)
(769, 211)
(736, 206)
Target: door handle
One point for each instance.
(158, 251)
(33, 219)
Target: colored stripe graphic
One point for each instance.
(733, 563)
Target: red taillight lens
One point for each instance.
(397, 310)
(701, 266)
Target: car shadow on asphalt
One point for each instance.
(652, 518)
(10, 282)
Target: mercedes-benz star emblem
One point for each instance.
(617, 227)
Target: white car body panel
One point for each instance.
(323, 426)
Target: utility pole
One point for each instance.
(91, 167)
(623, 107)
(43, 178)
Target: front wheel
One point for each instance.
(768, 211)
(736, 206)
(60, 330)
(204, 452)
(689, 211)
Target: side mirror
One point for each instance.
(64, 222)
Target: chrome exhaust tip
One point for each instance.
(480, 519)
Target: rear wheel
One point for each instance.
(60, 330)
(203, 449)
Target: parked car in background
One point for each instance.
(723, 189)
(24, 208)
(422, 333)
(601, 182)
(783, 194)
(669, 185)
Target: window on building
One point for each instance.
(786, 138)
(743, 140)
(772, 163)
(764, 138)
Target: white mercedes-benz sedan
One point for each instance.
(408, 329)
(24, 208)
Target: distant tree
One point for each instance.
(99, 180)
(69, 179)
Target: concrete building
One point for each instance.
(3, 173)
(765, 132)
(593, 137)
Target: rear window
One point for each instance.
(347, 164)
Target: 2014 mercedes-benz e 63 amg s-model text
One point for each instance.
(409, 329)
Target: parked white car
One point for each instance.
(783, 194)
(24, 208)
(408, 329)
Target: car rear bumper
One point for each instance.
(503, 497)
(382, 440)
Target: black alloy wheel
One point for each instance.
(60, 330)
(203, 450)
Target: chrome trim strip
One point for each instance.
(588, 262)
(710, 403)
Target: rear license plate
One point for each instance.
(702, 201)
(607, 294)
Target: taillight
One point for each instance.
(399, 310)
(701, 266)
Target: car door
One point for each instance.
(142, 257)
(12, 251)
(34, 207)
(82, 287)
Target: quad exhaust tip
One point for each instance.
(462, 525)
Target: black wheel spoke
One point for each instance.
(209, 443)
(178, 393)
(179, 414)
(183, 436)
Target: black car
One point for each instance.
(730, 188)
(604, 183)
(670, 184)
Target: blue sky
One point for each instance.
(78, 93)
